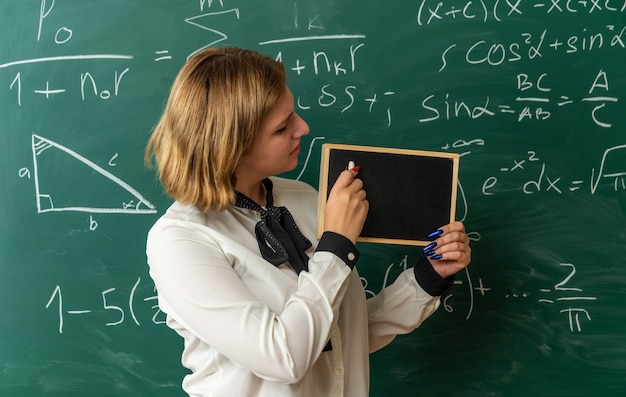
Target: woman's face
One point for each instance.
(277, 144)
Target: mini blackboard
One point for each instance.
(411, 192)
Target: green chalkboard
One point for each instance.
(530, 94)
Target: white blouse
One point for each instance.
(252, 329)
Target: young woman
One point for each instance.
(264, 307)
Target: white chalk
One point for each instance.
(350, 165)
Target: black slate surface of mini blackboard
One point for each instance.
(411, 193)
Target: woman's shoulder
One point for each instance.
(293, 186)
(184, 212)
(176, 218)
(293, 194)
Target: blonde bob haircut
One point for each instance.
(216, 106)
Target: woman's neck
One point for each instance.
(254, 190)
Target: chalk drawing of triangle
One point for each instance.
(67, 181)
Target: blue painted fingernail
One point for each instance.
(430, 246)
(435, 257)
(436, 233)
(428, 253)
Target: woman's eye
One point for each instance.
(287, 122)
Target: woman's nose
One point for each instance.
(302, 127)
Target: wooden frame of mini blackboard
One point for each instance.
(411, 193)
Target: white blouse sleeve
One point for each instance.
(402, 306)
(198, 287)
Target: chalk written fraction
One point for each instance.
(411, 192)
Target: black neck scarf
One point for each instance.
(277, 234)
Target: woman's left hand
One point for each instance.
(450, 251)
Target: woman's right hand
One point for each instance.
(346, 208)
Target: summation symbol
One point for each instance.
(200, 21)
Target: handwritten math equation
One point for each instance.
(330, 60)
(611, 172)
(403, 265)
(341, 56)
(333, 64)
(534, 100)
(433, 11)
(87, 84)
(116, 314)
(570, 299)
(573, 312)
(534, 46)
